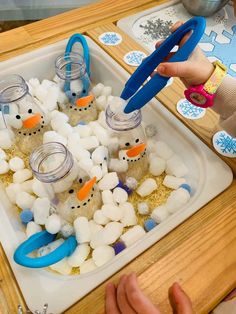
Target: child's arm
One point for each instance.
(196, 71)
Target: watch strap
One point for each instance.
(216, 78)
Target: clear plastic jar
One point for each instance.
(22, 114)
(74, 193)
(131, 139)
(75, 82)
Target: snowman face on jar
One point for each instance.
(81, 199)
(132, 146)
(27, 120)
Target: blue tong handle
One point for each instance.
(86, 83)
(157, 82)
(38, 240)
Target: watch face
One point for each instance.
(198, 98)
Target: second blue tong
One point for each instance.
(197, 26)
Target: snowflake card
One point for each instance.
(218, 41)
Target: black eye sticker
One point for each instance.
(73, 94)
(137, 140)
(80, 180)
(30, 111)
(17, 116)
(71, 191)
(127, 144)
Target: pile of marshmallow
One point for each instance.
(114, 226)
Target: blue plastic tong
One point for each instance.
(143, 95)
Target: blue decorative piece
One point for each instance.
(118, 247)
(124, 187)
(186, 187)
(82, 123)
(110, 38)
(134, 58)
(225, 52)
(224, 144)
(189, 111)
(149, 224)
(26, 216)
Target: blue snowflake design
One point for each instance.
(190, 111)
(225, 144)
(110, 38)
(134, 58)
(225, 52)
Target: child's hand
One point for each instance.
(196, 70)
(127, 298)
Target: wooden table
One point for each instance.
(201, 252)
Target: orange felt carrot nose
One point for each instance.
(84, 101)
(31, 122)
(136, 150)
(85, 190)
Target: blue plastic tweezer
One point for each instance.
(37, 241)
(143, 95)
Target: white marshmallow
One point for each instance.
(4, 166)
(41, 210)
(24, 200)
(94, 227)
(129, 217)
(97, 239)
(16, 163)
(3, 154)
(83, 130)
(112, 212)
(89, 143)
(112, 232)
(163, 150)
(132, 235)
(157, 166)
(79, 255)
(51, 98)
(22, 175)
(42, 189)
(143, 208)
(177, 199)
(109, 181)
(52, 136)
(79, 152)
(12, 190)
(176, 167)
(99, 155)
(104, 168)
(100, 218)
(102, 255)
(113, 145)
(96, 171)
(85, 164)
(97, 89)
(62, 267)
(65, 129)
(82, 230)
(73, 139)
(27, 186)
(107, 197)
(32, 228)
(53, 224)
(102, 119)
(147, 187)
(100, 132)
(118, 165)
(41, 92)
(101, 102)
(5, 139)
(120, 196)
(160, 213)
(131, 183)
(76, 86)
(173, 182)
(107, 90)
(87, 266)
(59, 116)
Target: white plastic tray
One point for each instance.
(208, 176)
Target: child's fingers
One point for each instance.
(122, 300)
(136, 298)
(176, 26)
(177, 69)
(179, 300)
(110, 302)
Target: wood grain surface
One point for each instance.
(201, 252)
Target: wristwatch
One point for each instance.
(203, 95)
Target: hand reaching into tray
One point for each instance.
(196, 70)
(127, 298)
